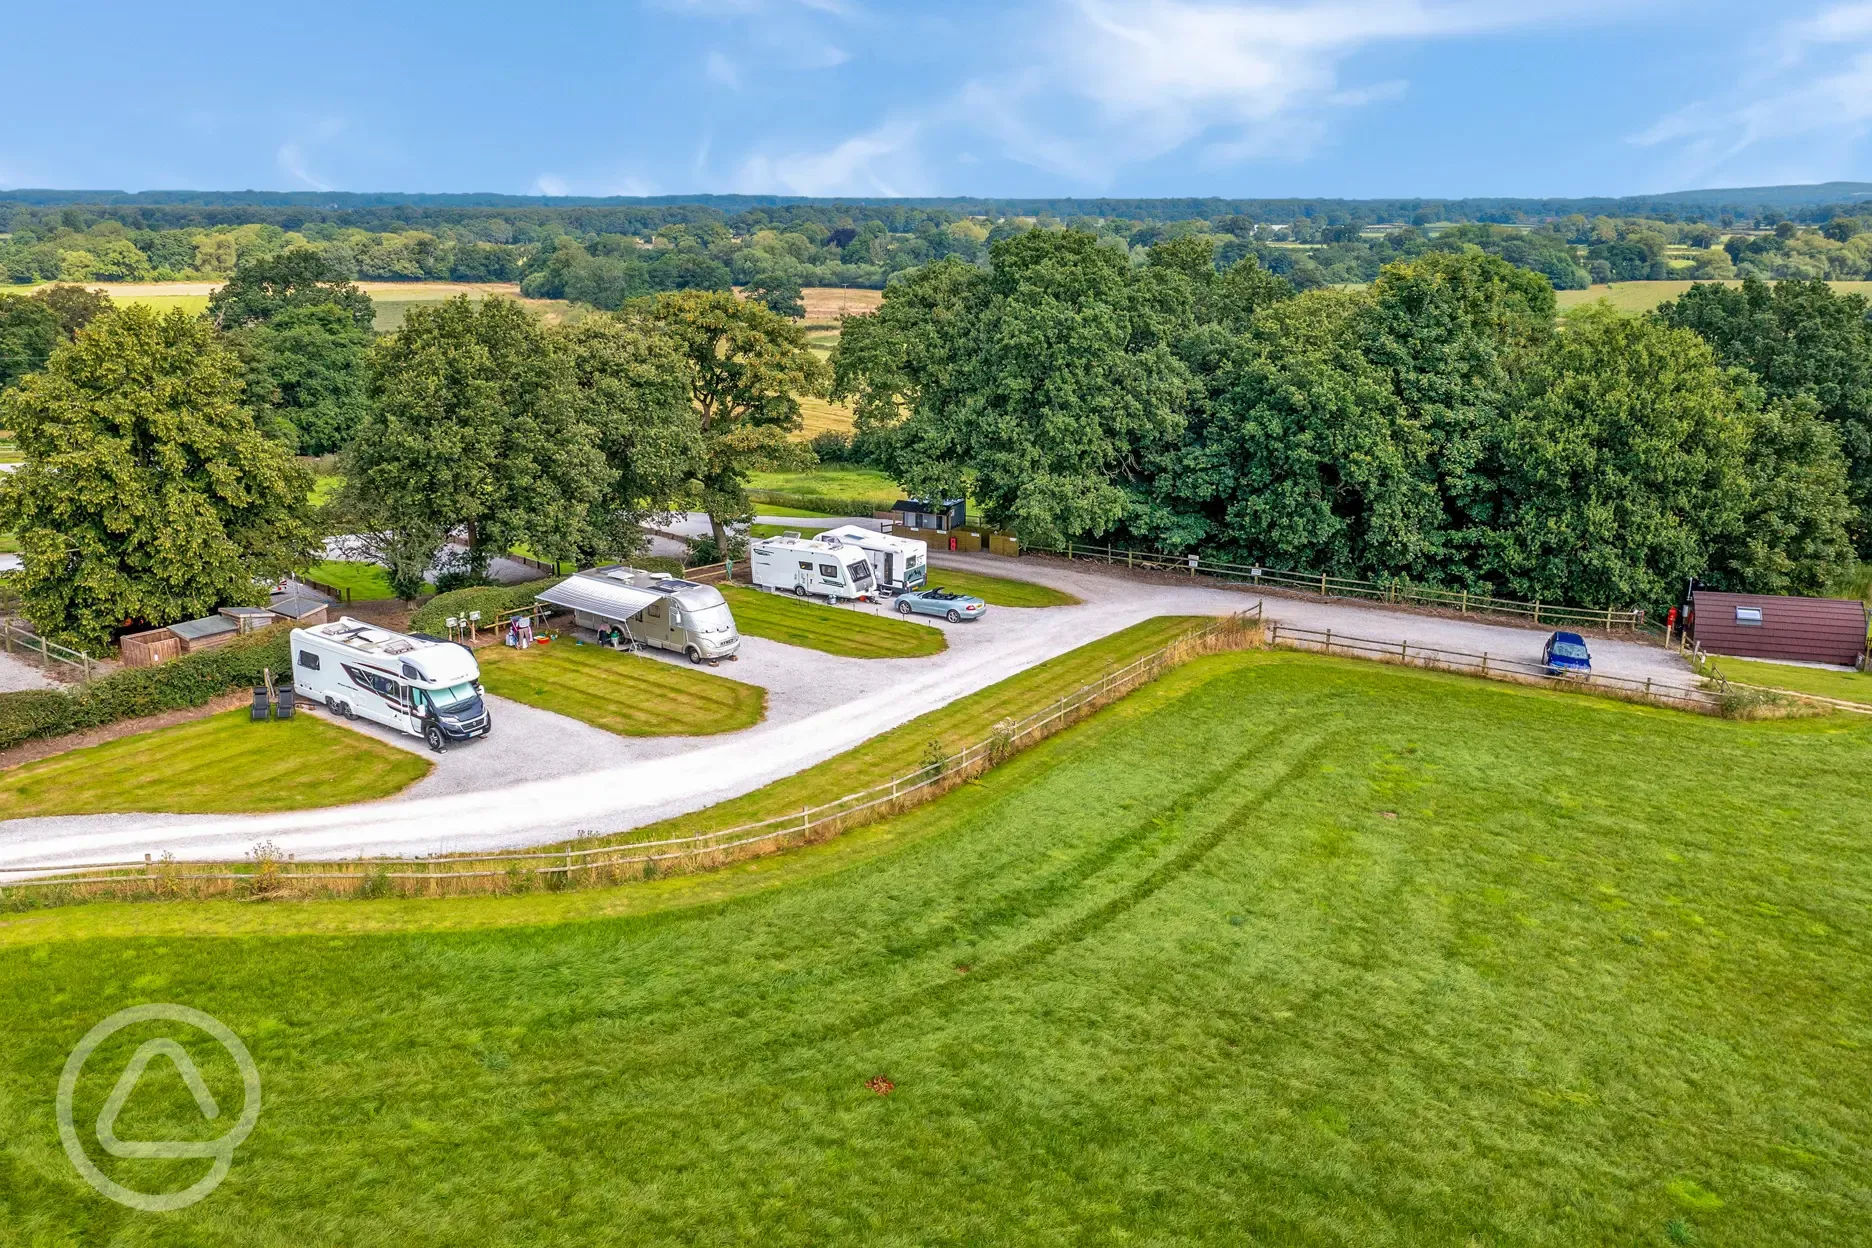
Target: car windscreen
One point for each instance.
(1570, 650)
(716, 619)
(452, 696)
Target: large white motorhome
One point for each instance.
(427, 688)
(899, 563)
(650, 609)
(806, 567)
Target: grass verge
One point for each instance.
(1282, 949)
(1845, 686)
(368, 582)
(223, 764)
(831, 630)
(628, 694)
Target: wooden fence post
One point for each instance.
(1485, 662)
(1465, 603)
(1329, 641)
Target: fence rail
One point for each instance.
(607, 861)
(12, 634)
(1394, 591)
(1327, 641)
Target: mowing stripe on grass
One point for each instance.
(628, 694)
(831, 630)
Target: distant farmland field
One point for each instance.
(1637, 297)
(393, 299)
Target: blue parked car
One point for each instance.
(952, 607)
(1565, 655)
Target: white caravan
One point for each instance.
(650, 609)
(899, 563)
(826, 569)
(427, 688)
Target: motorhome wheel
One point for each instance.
(433, 735)
(695, 656)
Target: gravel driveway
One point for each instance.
(542, 777)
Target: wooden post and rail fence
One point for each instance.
(15, 636)
(1397, 591)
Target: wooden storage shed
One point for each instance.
(1765, 626)
(147, 649)
(205, 633)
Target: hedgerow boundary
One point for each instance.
(268, 874)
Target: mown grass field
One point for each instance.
(219, 765)
(998, 591)
(1283, 949)
(368, 582)
(628, 694)
(832, 630)
(1634, 297)
(1846, 686)
(823, 416)
(830, 481)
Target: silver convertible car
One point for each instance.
(951, 606)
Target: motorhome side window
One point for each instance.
(829, 571)
(308, 660)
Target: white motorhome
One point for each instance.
(650, 609)
(807, 567)
(427, 688)
(900, 564)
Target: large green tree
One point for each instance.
(474, 432)
(1798, 338)
(745, 368)
(1624, 465)
(298, 277)
(147, 495)
(304, 373)
(28, 332)
(630, 386)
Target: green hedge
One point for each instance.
(192, 680)
(487, 599)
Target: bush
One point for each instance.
(833, 446)
(487, 599)
(703, 551)
(190, 681)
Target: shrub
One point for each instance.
(190, 681)
(487, 599)
(833, 446)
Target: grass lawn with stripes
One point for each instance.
(628, 694)
(1819, 681)
(1282, 949)
(224, 764)
(367, 582)
(853, 633)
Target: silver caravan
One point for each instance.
(650, 609)
(899, 563)
(427, 688)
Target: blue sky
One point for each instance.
(1020, 97)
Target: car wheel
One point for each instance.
(433, 735)
(695, 656)
(955, 617)
(903, 608)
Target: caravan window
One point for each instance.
(861, 573)
(308, 660)
(805, 565)
(829, 571)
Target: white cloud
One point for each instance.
(550, 184)
(1248, 79)
(291, 156)
(1795, 121)
(721, 71)
(882, 161)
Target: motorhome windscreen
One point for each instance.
(711, 620)
(454, 695)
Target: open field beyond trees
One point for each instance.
(628, 694)
(856, 634)
(223, 764)
(1281, 949)
(1643, 296)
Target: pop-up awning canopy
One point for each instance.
(600, 596)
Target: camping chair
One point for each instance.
(262, 705)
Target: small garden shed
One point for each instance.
(1767, 626)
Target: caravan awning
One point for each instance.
(600, 596)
